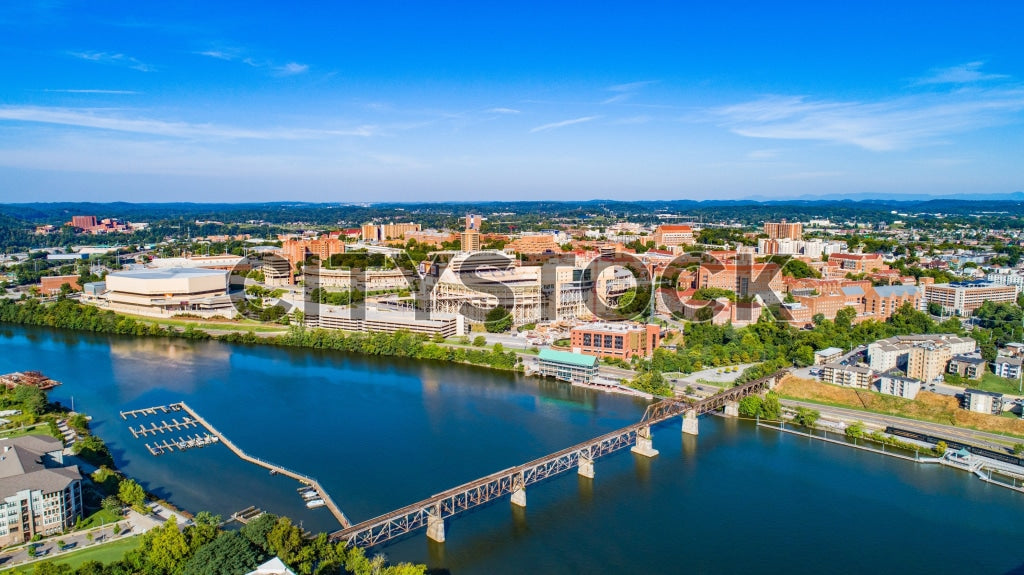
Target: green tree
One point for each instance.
(806, 416)
(479, 341)
(771, 409)
(229, 554)
(498, 320)
(165, 547)
(855, 430)
(1018, 448)
(132, 494)
(750, 406)
(32, 399)
(112, 504)
(256, 531)
(285, 539)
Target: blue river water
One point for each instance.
(380, 433)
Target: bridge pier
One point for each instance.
(644, 443)
(518, 491)
(732, 409)
(435, 526)
(690, 422)
(586, 467)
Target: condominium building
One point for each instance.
(923, 357)
(892, 383)
(962, 298)
(983, 401)
(618, 340)
(846, 375)
(1008, 367)
(39, 495)
(971, 366)
(783, 229)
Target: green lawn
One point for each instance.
(37, 429)
(101, 517)
(104, 553)
(239, 325)
(994, 383)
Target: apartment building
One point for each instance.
(784, 230)
(962, 298)
(892, 383)
(39, 495)
(846, 375)
(297, 250)
(1008, 367)
(971, 366)
(983, 401)
(923, 357)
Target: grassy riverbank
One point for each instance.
(929, 407)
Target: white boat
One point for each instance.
(315, 503)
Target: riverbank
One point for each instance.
(927, 407)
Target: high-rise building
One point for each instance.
(783, 229)
(470, 240)
(474, 221)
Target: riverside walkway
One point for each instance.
(431, 513)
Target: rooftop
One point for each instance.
(169, 273)
(577, 359)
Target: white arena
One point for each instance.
(170, 291)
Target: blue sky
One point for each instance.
(390, 101)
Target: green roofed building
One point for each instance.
(566, 366)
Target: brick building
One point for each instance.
(618, 340)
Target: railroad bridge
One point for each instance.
(432, 512)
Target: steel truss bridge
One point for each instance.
(430, 513)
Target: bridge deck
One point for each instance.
(480, 491)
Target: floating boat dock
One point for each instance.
(194, 421)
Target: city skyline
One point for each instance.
(230, 103)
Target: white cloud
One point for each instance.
(898, 123)
(626, 91)
(502, 111)
(563, 123)
(116, 59)
(104, 120)
(763, 154)
(91, 91)
(632, 120)
(218, 54)
(968, 73)
(291, 69)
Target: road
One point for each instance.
(981, 438)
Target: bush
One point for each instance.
(479, 341)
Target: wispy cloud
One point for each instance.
(562, 124)
(112, 58)
(898, 123)
(632, 120)
(502, 111)
(238, 55)
(968, 73)
(626, 91)
(763, 154)
(106, 120)
(291, 69)
(92, 91)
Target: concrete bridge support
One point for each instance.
(586, 467)
(435, 526)
(519, 492)
(732, 409)
(690, 422)
(644, 444)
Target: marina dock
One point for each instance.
(194, 421)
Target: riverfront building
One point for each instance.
(1008, 367)
(169, 292)
(892, 383)
(928, 362)
(618, 340)
(983, 401)
(374, 320)
(846, 375)
(565, 366)
(39, 494)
